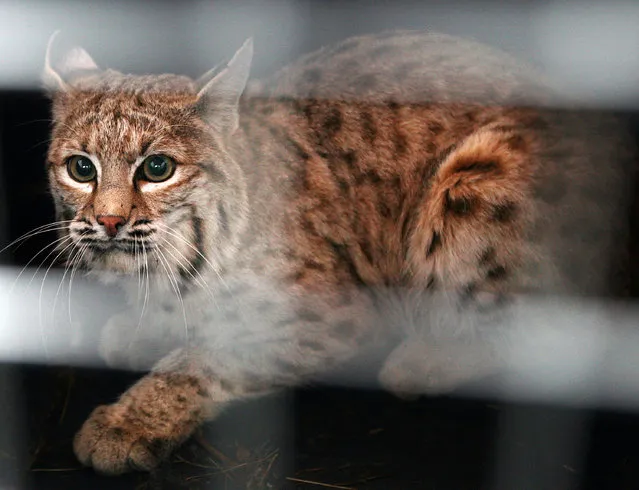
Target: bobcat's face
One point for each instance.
(127, 173)
(139, 172)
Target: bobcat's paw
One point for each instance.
(415, 368)
(113, 443)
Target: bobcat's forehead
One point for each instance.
(121, 126)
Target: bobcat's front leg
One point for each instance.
(191, 385)
(151, 418)
(137, 339)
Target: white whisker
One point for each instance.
(76, 249)
(36, 231)
(173, 233)
(77, 262)
(136, 255)
(199, 281)
(176, 287)
(53, 244)
(42, 330)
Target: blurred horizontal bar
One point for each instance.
(556, 350)
(589, 49)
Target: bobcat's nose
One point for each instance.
(111, 223)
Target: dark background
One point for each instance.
(352, 438)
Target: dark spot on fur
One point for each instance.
(209, 374)
(384, 209)
(344, 186)
(446, 153)
(401, 144)
(459, 206)
(431, 282)
(145, 413)
(297, 276)
(309, 108)
(333, 122)
(198, 242)
(467, 292)
(267, 110)
(309, 316)
(312, 345)
(368, 176)
(478, 167)
(226, 385)
(343, 256)
(368, 127)
(275, 132)
(366, 82)
(504, 128)
(367, 249)
(488, 256)
(350, 157)
(223, 218)
(117, 432)
(180, 398)
(308, 226)
(405, 69)
(297, 148)
(516, 143)
(435, 243)
(68, 213)
(344, 329)
(499, 301)
(504, 212)
(285, 366)
(498, 272)
(313, 264)
(312, 75)
(157, 447)
(435, 128)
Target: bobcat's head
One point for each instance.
(139, 166)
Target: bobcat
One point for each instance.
(405, 185)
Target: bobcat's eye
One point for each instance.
(157, 168)
(81, 168)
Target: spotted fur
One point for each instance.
(405, 185)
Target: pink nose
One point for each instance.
(111, 223)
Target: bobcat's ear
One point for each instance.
(75, 62)
(220, 90)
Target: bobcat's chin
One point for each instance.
(119, 262)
